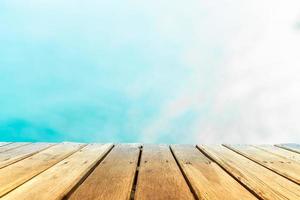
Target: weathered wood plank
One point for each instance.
(18, 173)
(262, 181)
(280, 152)
(14, 155)
(12, 146)
(159, 176)
(4, 143)
(291, 147)
(281, 165)
(208, 180)
(113, 177)
(57, 181)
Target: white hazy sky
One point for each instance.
(222, 71)
(253, 93)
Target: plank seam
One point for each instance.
(14, 147)
(286, 148)
(27, 156)
(269, 151)
(253, 160)
(184, 176)
(43, 170)
(230, 174)
(135, 180)
(87, 174)
(5, 144)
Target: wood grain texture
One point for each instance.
(4, 143)
(159, 176)
(39, 171)
(208, 180)
(281, 165)
(11, 146)
(291, 147)
(16, 174)
(280, 152)
(57, 181)
(14, 155)
(113, 177)
(262, 181)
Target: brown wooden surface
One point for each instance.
(208, 180)
(113, 177)
(12, 146)
(282, 165)
(41, 171)
(290, 147)
(14, 155)
(257, 178)
(4, 143)
(16, 174)
(280, 152)
(159, 176)
(56, 182)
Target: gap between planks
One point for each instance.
(184, 176)
(28, 177)
(288, 147)
(160, 175)
(262, 181)
(136, 175)
(259, 163)
(61, 178)
(4, 143)
(230, 174)
(136, 179)
(117, 170)
(77, 185)
(13, 145)
(18, 154)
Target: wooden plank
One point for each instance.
(261, 181)
(291, 147)
(12, 146)
(56, 182)
(208, 179)
(4, 143)
(159, 176)
(113, 177)
(9, 157)
(280, 152)
(281, 165)
(18, 173)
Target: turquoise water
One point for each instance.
(105, 71)
(149, 71)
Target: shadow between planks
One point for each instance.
(78, 171)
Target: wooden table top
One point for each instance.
(78, 171)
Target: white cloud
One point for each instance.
(234, 63)
(256, 93)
